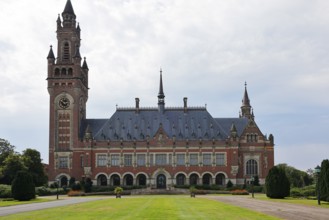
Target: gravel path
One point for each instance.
(281, 210)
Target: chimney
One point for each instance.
(137, 105)
(185, 104)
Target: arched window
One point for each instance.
(251, 167)
(180, 180)
(220, 179)
(70, 72)
(102, 180)
(66, 52)
(57, 72)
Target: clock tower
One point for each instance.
(68, 90)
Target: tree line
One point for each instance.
(11, 162)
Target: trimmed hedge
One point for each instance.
(305, 192)
(22, 187)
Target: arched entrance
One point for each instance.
(63, 181)
(101, 180)
(180, 180)
(115, 180)
(206, 179)
(128, 180)
(141, 180)
(161, 181)
(194, 179)
(220, 179)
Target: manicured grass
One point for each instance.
(299, 201)
(146, 207)
(16, 202)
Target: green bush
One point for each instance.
(277, 183)
(22, 187)
(229, 184)
(304, 192)
(5, 191)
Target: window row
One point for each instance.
(206, 159)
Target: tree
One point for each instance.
(6, 149)
(256, 181)
(323, 181)
(12, 164)
(297, 178)
(277, 183)
(32, 160)
(23, 188)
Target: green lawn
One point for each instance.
(146, 207)
(16, 202)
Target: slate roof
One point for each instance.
(195, 124)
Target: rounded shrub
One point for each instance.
(277, 183)
(22, 187)
(5, 191)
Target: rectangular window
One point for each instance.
(63, 162)
(220, 159)
(140, 159)
(128, 160)
(206, 159)
(193, 159)
(160, 159)
(81, 160)
(115, 160)
(180, 159)
(151, 160)
(101, 160)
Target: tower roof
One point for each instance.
(245, 100)
(51, 53)
(68, 8)
(161, 94)
(84, 65)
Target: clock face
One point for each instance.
(64, 102)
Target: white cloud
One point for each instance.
(207, 50)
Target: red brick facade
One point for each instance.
(158, 147)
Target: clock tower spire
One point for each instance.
(68, 91)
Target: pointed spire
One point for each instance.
(161, 95)
(246, 107)
(68, 8)
(68, 15)
(59, 22)
(245, 100)
(84, 65)
(51, 53)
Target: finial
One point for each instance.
(160, 70)
(51, 46)
(245, 84)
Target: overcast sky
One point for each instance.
(207, 49)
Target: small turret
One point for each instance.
(51, 56)
(246, 107)
(84, 65)
(59, 22)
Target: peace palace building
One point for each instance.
(156, 147)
